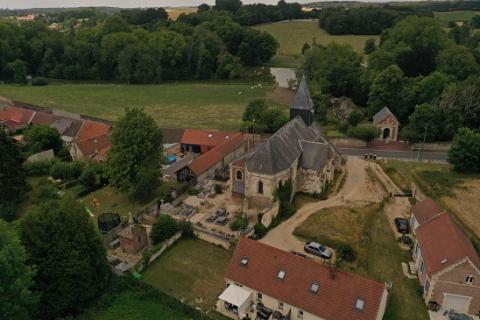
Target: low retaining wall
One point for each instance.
(167, 244)
(441, 147)
(348, 143)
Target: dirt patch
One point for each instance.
(281, 96)
(465, 203)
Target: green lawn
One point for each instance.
(458, 16)
(293, 34)
(135, 306)
(182, 104)
(192, 270)
(111, 200)
(378, 254)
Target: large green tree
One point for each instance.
(135, 159)
(457, 61)
(41, 138)
(336, 69)
(393, 90)
(415, 43)
(464, 154)
(17, 301)
(69, 256)
(12, 177)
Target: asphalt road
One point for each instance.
(403, 155)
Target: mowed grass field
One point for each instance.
(192, 271)
(378, 255)
(458, 16)
(292, 35)
(181, 104)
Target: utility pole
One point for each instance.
(253, 133)
(419, 158)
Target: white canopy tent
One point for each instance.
(238, 297)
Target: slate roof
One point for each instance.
(315, 155)
(42, 118)
(382, 114)
(302, 98)
(282, 148)
(338, 290)
(172, 135)
(425, 210)
(61, 124)
(443, 244)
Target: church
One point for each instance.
(296, 152)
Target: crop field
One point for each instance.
(181, 104)
(292, 35)
(174, 12)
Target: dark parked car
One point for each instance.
(318, 250)
(457, 316)
(406, 240)
(402, 225)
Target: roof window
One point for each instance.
(314, 287)
(360, 304)
(281, 275)
(244, 261)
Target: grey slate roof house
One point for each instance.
(296, 152)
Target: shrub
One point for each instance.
(88, 177)
(346, 252)
(187, 229)
(218, 188)
(464, 154)
(66, 170)
(164, 228)
(354, 118)
(38, 168)
(39, 82)
(260, 230)
(240, 223)
(365, 133)
(193, 191)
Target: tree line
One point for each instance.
(428, 77)
(139, 46)
(366, 20)
(251, 14)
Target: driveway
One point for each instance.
(357, 190)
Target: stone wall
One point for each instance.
(348, 143)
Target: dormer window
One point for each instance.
(359, 304)
(281, 275)
(469, 279)
(244, 261)
(314, 287)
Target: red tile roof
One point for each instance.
(210, 138)
(96, 147)
(91, 129)
(442, 244)
(425, 210)
(43, 118)
(209, 159)
(336, 297)
(15, 117)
